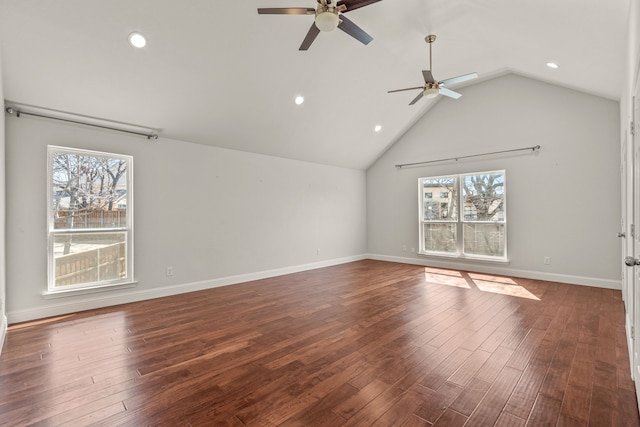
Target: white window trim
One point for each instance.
(459, 254)
(59, 293)
(126, 282)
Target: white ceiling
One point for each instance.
(215, 72)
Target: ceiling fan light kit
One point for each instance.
(431, 92)
(432, 88)
(327, 20)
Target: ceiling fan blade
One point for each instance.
(355, 4)
(286, 11)
(353, 30)
(459, 79)
(310, 37)
(448, 92)
(417, 98)
(409, 88)
(428, 77)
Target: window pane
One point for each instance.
(440, 237)
(88, 257)
(485, 239)
(483, 197)
(445, 206)
(88, 191)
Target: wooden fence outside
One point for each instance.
(91, 219)
(104, 263)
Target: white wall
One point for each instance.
(216, 216)
(562, 202)
(3, 293)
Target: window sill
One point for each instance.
(464, 258)
(88, 290)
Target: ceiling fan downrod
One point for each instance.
(430, 39)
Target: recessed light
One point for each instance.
(378, 128)
(137, 40)
(299, 100)
(552, 65)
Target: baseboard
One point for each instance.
(105, 299)
(504, 271)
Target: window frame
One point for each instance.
(460, 220)
(52, 232)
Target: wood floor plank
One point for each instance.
(490, 408)
(545, 412)
(626, 404)
(555, 382)
(403, 408)
(508, 420)
(467, 370)
(357, 344)
(494, 364)
(471, 396)
(351, 405)
(526, 391)
(433, 408)
(415, 421)
(445, 369)
(450, 418)
(520, 358)
(576, 403)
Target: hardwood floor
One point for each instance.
(364, 343)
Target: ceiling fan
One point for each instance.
(431, 87)
(329, 15)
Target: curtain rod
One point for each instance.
(534, 148)
(18, 113)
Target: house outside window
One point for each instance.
(480, 233)
(90, 220)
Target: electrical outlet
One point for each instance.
(547, 260)
(169, 271)
(404, 248)
(318, 251)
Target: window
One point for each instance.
(428, 195)
(90, 219)
(481, 230)
(444, 194)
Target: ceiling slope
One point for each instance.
(217, 73)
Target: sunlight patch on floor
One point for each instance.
(445, 277)
(492, 278)
(505, 289)
(484, 282)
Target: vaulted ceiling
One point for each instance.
(218, 73)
